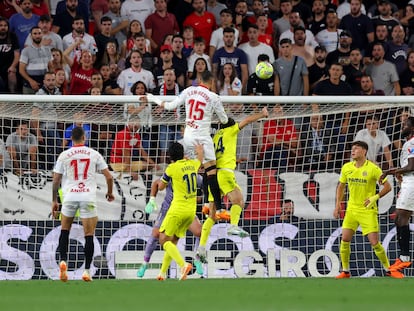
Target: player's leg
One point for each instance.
(195, 228)
(402, 222)
(67, 215)
(151, 243)
(89, 219)
(349, 226)
(404, 210)
(229, 186)
(345, 252)
(172, 228)
(201, 253)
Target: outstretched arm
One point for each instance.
(253, 118)
(166, 105)
(399, 171)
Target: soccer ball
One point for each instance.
(264, 70)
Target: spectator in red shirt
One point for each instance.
(127, 154)
(81, 70)
(280, 141)
(203, 22)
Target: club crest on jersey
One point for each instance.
(364, 173)
(410, 150)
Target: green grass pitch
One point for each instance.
(278, 294)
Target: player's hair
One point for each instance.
(229, 123)
(207, 76)
(411, 120)
(176, 151)
(361, 144)
(77, 134)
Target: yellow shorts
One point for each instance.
(367, 219)
(227, 182)
(177, 223)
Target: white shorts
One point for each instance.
(86, 209)
(208, 146)
(405, 199)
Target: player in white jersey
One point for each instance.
(405, 199)
(75, 171)
(200, 105)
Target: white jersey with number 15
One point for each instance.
(78, 166)
(200, 105)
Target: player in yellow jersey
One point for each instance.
(182, 173)
(225, 143)
(361, 176)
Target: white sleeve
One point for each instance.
(101, 164)
(176, 102)
(58, 167)
(219, 109)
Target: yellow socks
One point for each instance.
(382, 256)
(205, 231)
(235, 212)
(345, 252)
(166, 261)
(174, 253)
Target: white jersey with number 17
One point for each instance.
(200, 105)
(78, 166)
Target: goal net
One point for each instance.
(288, 168)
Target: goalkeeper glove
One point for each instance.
(151, 206)
(154, 99)
(372, 200)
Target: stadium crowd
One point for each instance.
(319, 47)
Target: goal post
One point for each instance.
(291, 158)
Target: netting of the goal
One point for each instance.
(291, 158)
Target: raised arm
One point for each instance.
(253, 118)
